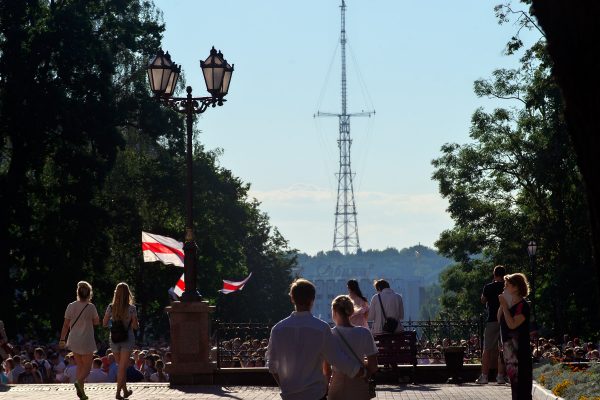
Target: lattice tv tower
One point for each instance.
(345, 234)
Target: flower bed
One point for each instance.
(570, 382)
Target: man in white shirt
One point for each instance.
(298, 346)
(96, 374)
(392, 305)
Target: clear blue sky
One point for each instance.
(418, 61)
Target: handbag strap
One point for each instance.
(77, 319)
(347, 345)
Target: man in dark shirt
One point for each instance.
(489, 297)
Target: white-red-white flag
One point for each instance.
(162, 248)
(180, 286)
(229, 286)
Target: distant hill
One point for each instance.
(416, 261)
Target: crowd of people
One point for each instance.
(83, 362)
(34, 363)
(236, 353)
(348, 349)
(571, 350)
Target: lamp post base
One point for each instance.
(190, 346)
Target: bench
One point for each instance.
(394, 349)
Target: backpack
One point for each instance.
(118, 332)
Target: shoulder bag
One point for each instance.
(390, 324)
(371, 381)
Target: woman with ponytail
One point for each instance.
(361, 305)
(357, 342)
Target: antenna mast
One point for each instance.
(345, 234)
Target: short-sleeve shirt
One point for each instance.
(81, 336)
(132, 313)
(359, 338)
(491, 291)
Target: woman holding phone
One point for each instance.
(513, 316)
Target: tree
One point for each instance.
(518, 180)
(88, 159)
(572, 33)
(63, 70)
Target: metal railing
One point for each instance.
(236, 343)
(244, 344)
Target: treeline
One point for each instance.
(88, 160)
(411, 262)
(516, 181)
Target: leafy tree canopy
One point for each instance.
(518, 180)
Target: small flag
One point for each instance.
(172, 294)
(180, 286)
(162, 248)
(229, 286)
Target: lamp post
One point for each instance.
(163, 75)
(531, 250)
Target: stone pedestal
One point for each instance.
(190, 344)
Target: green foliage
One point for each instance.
(88, 160)
(517, 180)
(415, 261)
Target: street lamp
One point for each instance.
(531, 250)
(163, 75)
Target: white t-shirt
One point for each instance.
(154, 377)
(359, 338)
(393, 306)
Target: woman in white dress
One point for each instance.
(357, 342)
(80, 318)
(361, 305)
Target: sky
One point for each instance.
(413, 62)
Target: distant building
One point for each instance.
(330, 281)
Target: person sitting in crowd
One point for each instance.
(44, 367)
(57, 366)
(9, 366)
(113, 368)
(149, 367)
(159, 375)
(133, 374)
(70, 374)
(17, 369)
(28, 375)
(3, 376)
(96, 374)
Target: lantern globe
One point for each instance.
(531, 248)
(160, 71)
(213, 69)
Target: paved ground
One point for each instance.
(150, 391)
